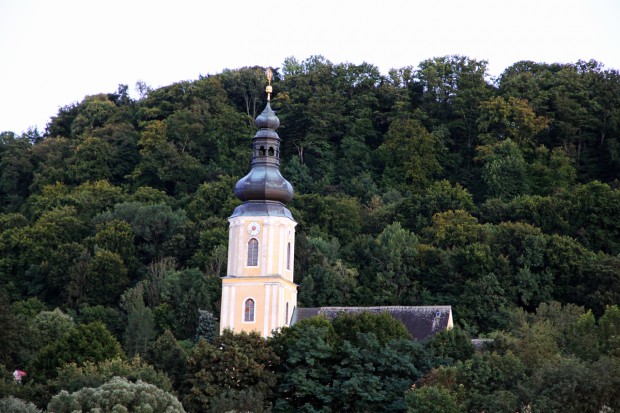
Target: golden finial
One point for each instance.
(269, 89)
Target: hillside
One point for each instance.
(432, 184)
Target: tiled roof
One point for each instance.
(420, 321)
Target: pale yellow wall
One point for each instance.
(270, 295)
(275, 234)
(269, 284)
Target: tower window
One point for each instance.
(288, 256)
(270, 152)
(261, 151)
(286, 315)
(248, 310)
(253, 252)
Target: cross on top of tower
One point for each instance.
(269, 89)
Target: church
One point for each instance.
(258, 292)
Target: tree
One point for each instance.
(16, 166)
(410, 154)
(117, 237)
(452, 345)
(393, 259)
(504, 169)
(140, 330)
(73, 377)
(451, 89)
(163, 165)
(117, 395)
(234, 362)
(608, 327)
(306, 351)
(418, 209)
(551, 171)
(49, 327)
(563, 384)
(431, 399)
(88, 199)
(344, 366)
(13, 328)
(326, 279)
(153, 225)
(88, 342)
(592, 208)
(15, 405)
(106, 277)
(511, 118)
(189, 292)
(213, 198)
(93, 160)
(165, 354)
(206, 326)
(93, 112)
(245, 88)
(370, 376)
(454, 228)
(385, 327)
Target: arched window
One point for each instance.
(271, 151)
(288, 256)
(286, 315)
(253, 252)
(248, 310)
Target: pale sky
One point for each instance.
(56, 52)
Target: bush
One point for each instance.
(117, 396)
(13, 405)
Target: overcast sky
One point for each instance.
(55, 52)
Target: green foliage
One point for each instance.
(106, 276)
(344, 366)
(117, 395)
(165, 354)
(109, 316)
(72, 377)
(140, 330)
(441, 196)
(385, 327)
(504, 170)
(206, 326)
(86, 343)
(511, 118)
(326, 280)
(391, 271)
(15, 405)
(234, 362)
(411, 156)
(190, 291)
(153, 225)
(12, 327)
(239, 401)
(431, 400)
(452, 345)
(29, 308)
(570, 385)
(50, 326)
(506, 193)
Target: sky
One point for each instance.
(55, 52)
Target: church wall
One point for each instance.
(270, 295)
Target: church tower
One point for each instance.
(258, 293)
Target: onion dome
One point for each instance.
(265, 182)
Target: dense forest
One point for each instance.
(434, 184)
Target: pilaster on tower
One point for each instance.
(258, 292)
